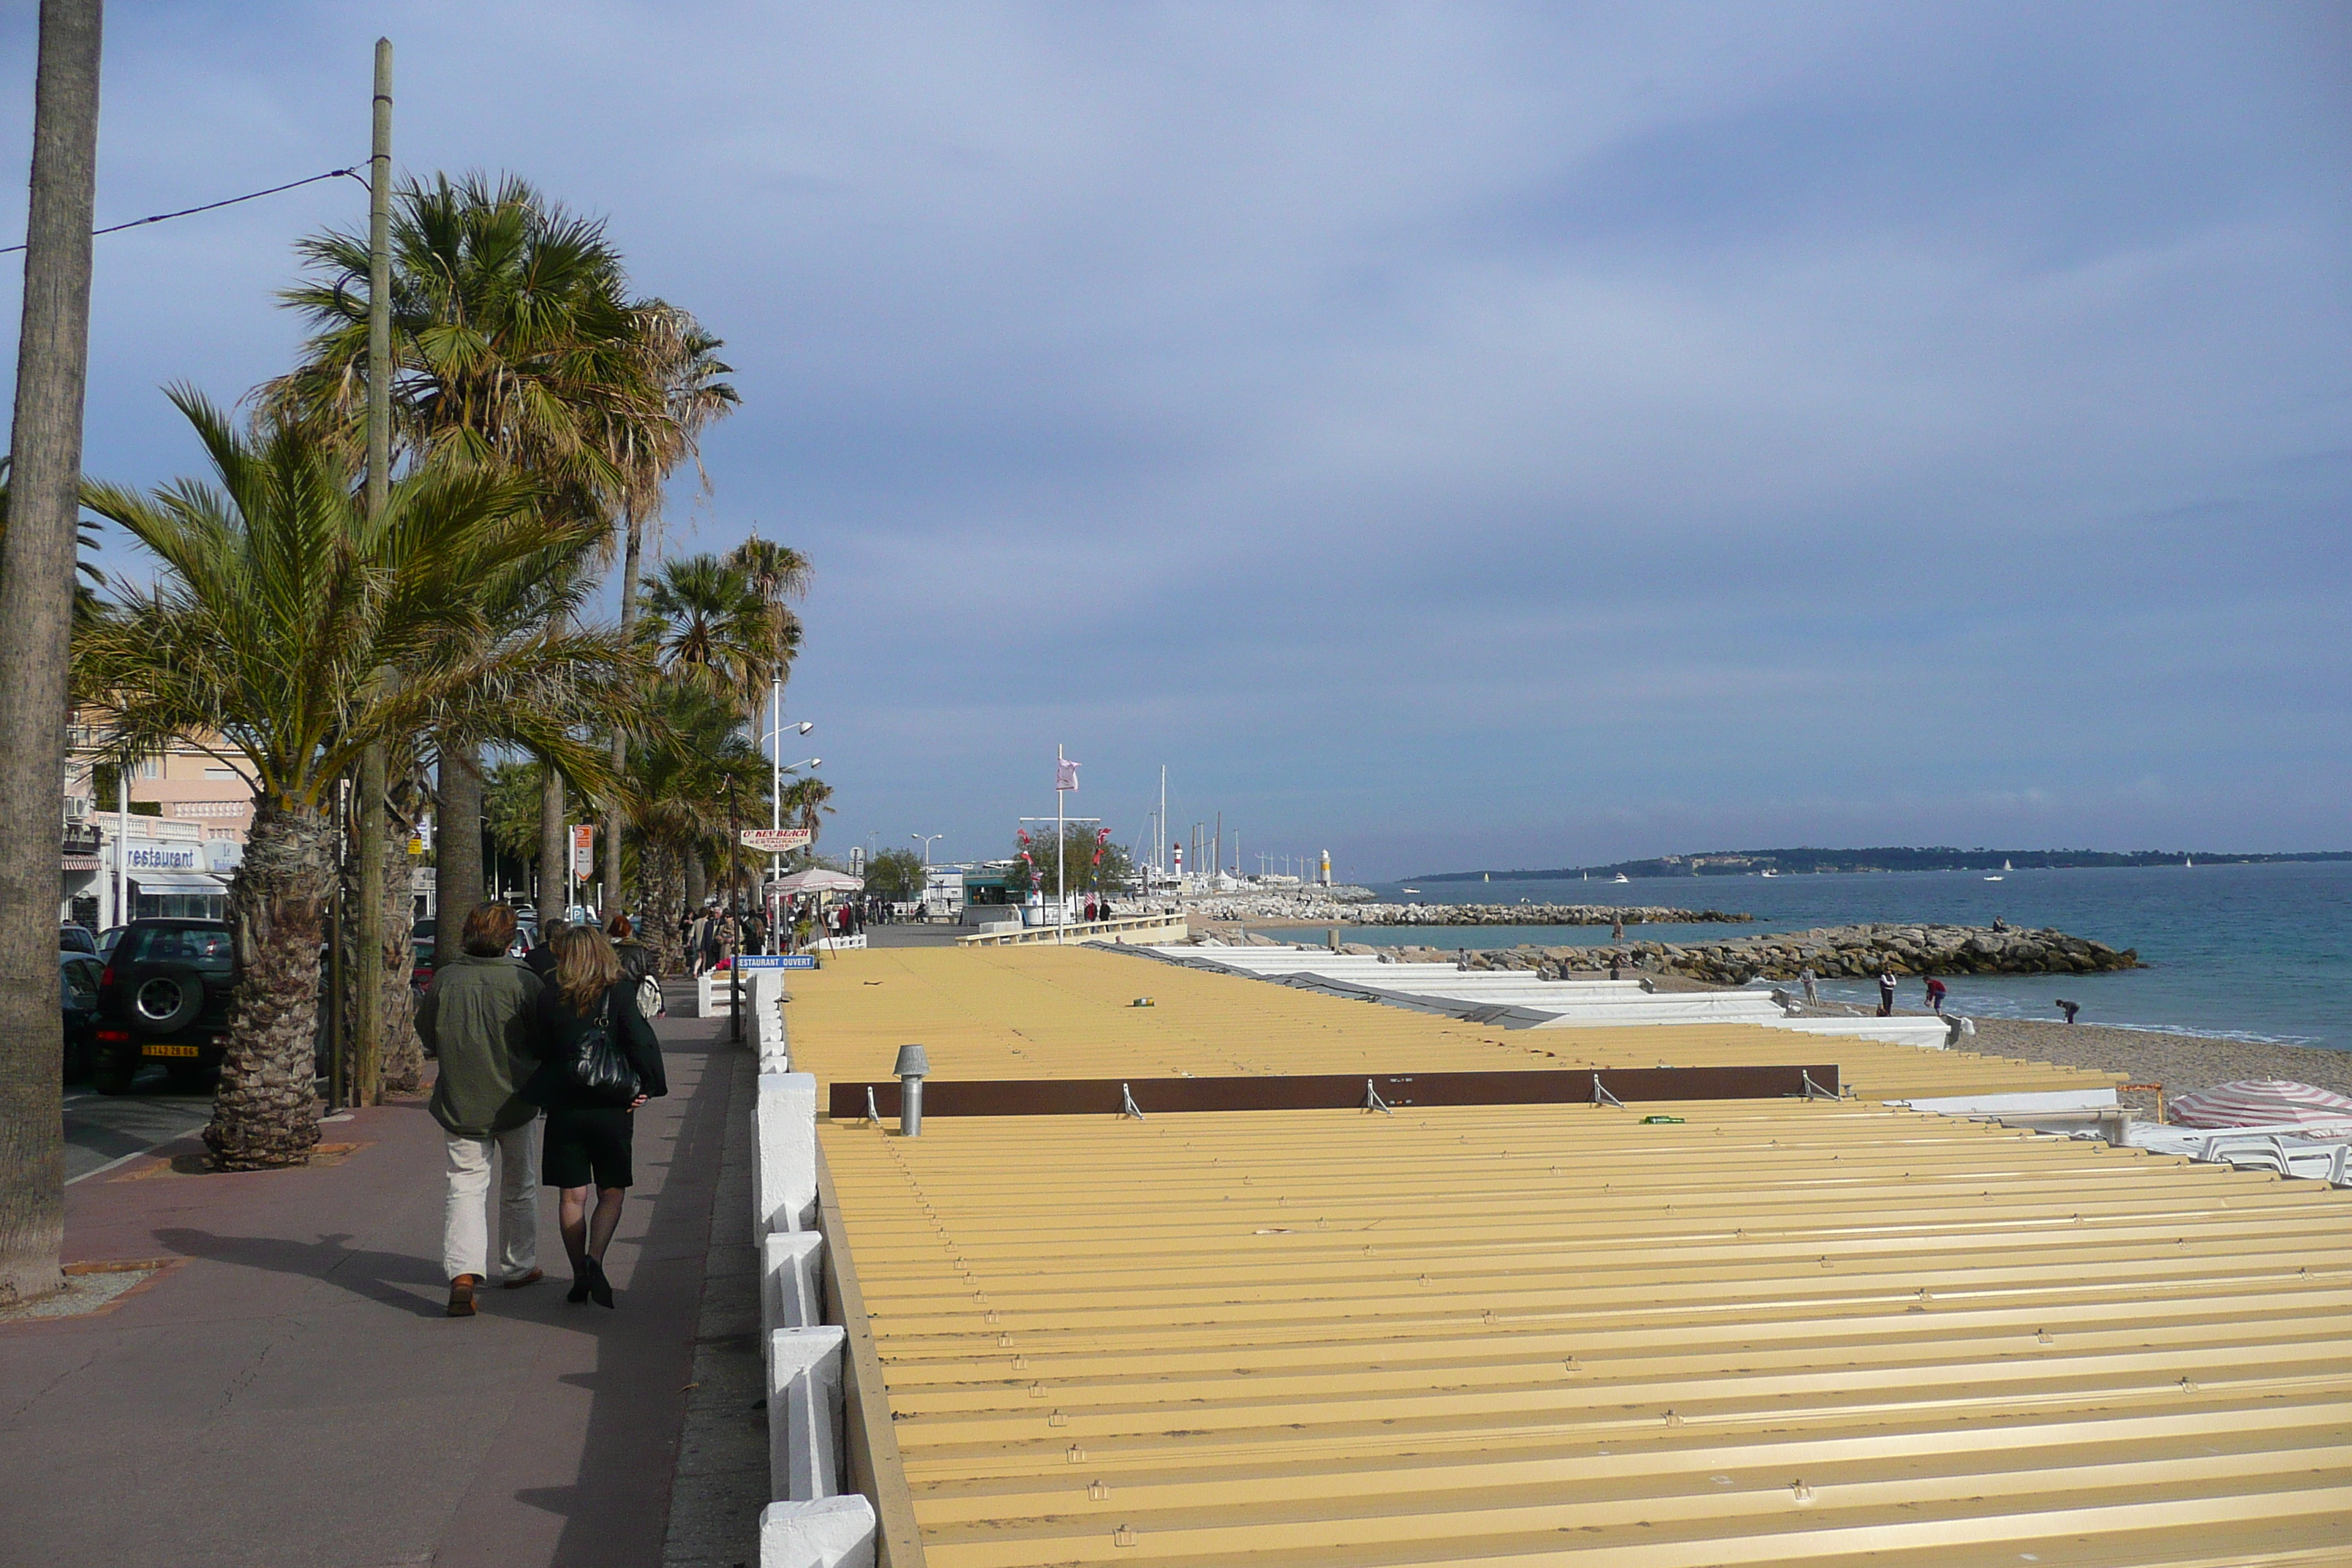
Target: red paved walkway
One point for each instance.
(293, 1393)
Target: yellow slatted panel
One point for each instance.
(1046, 1012)
(1776, 1333)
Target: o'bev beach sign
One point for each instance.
(775, 840)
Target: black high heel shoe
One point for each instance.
(600, 1289)
(579, 1285)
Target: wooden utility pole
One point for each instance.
(370, 823)
(37, 573)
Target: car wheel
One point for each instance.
(190, 1078)
(117, 1064)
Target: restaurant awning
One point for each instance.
(177, 882)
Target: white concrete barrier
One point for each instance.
(783, 1177)
(827, 1533)
(766, 1004)
(804, 1412)
(792, 1287)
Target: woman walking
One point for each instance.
(589, 1002)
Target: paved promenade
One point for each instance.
(290, 1393)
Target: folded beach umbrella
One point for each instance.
(2262, 1102)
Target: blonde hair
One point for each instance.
(585, 966)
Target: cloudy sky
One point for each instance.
(1452, 436)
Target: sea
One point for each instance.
(2248, 952)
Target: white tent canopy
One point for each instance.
(817, 880)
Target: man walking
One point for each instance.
(477, 1018)
(1805, 976)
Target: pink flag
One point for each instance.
(1066, 775)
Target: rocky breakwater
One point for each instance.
(1336, 912)
(1840, 951)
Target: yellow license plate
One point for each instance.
(169, 1051)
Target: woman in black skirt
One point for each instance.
(588, 1138)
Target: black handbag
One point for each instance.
(597, 1066)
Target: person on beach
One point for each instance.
(1887, 991)
(2070, 1009)
(589, 1138)
(477, 1018)
(1936, 992)
(1616, 931)
(1805, 977)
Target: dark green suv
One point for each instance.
(164, 999)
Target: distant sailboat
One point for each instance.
(2187, 861)
(2007, 867)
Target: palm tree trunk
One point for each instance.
(697, 885)
(403, 1055)
(371, 836)
(632, 556)
(662, 910)
(458, 844)
(36, 571)
(554, 854)
(267, 1111)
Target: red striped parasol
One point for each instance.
(2262, 1102)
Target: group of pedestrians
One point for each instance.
(543, 1062)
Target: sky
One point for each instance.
(1453, 436)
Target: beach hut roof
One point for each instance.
(2260, 1103)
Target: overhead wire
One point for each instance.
(351, 173)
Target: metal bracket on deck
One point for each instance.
(1127, 1106)
(872, 1114)
(1814, 1091)
(1601, 1095)
(1372, 1100)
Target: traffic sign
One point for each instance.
(775, 840)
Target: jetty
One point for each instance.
(1293, 908)
(1857, 951)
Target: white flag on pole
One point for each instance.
(1066, 775)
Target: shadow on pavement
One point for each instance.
(377, 1276)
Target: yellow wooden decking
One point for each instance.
(1775, 1332)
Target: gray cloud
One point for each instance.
(1450, 434)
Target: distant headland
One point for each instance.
(1807, 862)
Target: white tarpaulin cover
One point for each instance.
(817, 880)
(2261, 1102)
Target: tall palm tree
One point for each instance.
(278, 606)
(516, 348)
(682, 358)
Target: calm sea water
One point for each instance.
(2256, 952)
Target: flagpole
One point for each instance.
(1061, 850)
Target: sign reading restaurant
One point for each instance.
(152, 857)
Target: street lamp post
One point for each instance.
(923, 895)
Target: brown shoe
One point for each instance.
(533, 1278)
(461, 1295)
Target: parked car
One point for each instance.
(163, 996)
(72, 938)
(79, 974)
(107, 938)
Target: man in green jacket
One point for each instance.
(477, 1018)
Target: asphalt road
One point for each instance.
(104, 1129)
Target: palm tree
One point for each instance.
(682, 756)
(277, 609)
(708, 626)
(805, 804)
